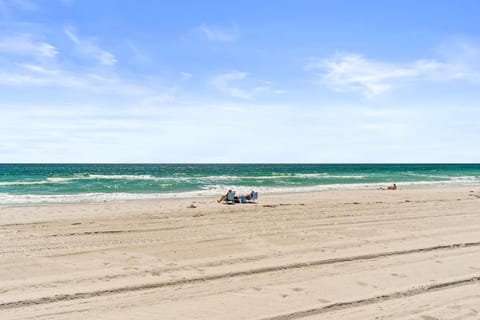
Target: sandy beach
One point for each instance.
(344, 254)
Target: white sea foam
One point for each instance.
(54, 180)
(10, 199)
(59, 180)
(22, 183)
(328, 176)
(426, 175)
(46, 181)
(283, 176)
(123, 177)
(79, 177)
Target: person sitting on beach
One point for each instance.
(225, 196)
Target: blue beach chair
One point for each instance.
(254, 197)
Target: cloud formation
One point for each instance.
(218, 34)
(28, 62)
(30, 75)
(224, 83)
(351, 72)
(25, 45)
(90, 49)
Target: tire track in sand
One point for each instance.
(92, 294)
(376, 299)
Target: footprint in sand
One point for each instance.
(297, 289)
(399, 275)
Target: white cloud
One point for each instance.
(353, 72)
(350, 72)
(38, 69)
(159, 99)
(184, 76)
(218, 34)
(24, 45)
(39, 76)
(32, 75)
(224, 83)
(30, 65)
(89, 48)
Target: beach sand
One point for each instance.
(344, 254)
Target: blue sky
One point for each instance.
(244, 81)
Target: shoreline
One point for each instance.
(68, 210)
(86, 198)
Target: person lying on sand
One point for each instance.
(392, 187)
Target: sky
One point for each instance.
(279, 81)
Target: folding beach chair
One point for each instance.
(254, 197)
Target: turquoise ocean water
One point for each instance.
(44, 183)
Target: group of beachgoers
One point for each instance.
(231, 196)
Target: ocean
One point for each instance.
(53, 183)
